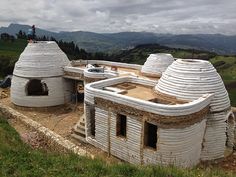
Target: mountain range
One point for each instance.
(110, 42)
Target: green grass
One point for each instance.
(12, 49)
(227, 71)
(9, 54)
(232, 96)
(18, 159)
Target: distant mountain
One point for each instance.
(13, 29)
(110, 42)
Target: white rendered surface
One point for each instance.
(59, 92)
(156, 64)
(41, 59)
(95, 90)
(189, 79)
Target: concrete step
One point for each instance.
(81, 128)
(79, 133)
(78, 129)
(82, 124)
(79, 138)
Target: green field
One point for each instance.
(12, 50)
(9, 53)
(226, 67)
(19, 160)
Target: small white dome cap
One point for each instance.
(41, 59)
(157, 63)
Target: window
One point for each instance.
(91, 112)
(121, 125)
(150, 135)
(36, 88)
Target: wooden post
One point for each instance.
(109, 133)
(142, 140)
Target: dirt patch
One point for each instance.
(228, 163)
(4, 93)
(29, 136)
(60, 121)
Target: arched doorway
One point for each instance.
(230, 130)
(36, 87)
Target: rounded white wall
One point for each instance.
(156, 64)
(178, 146)
(58, 92)
(43, 61)
(190, 79)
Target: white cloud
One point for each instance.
(169, 16)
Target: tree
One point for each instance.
(7, 37)
(21, 35)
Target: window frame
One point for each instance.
(119, 126)
(146, 134)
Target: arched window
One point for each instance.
(36, 87)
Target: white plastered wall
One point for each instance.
(157, 63)
(189, 79)
(187, 140)
(59, 91)
(180, 147)
(177, 146)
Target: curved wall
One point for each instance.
(58, 92)
(180, 146)
(156, 64)
(189, 79)
(43, 61)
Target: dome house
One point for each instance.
(37, 77)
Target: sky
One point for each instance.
(159, 16)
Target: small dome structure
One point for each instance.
(189, 79)
(37, 77)
(41, 59)
(156, 64)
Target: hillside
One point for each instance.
(139, 54)
(226, 66)
(9, 54)
(110, 42)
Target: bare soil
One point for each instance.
(59, 119)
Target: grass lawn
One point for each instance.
(18, 159)
(226, 67)
(12, 49)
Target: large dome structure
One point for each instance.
(156, 64)
(189, 79)
(37, 78)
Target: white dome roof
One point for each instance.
(41, 59)
(189, 79)
(157, 63)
